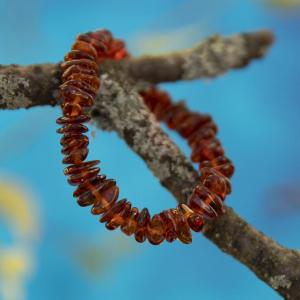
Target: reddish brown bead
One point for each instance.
(76, 54)
(116, 208)
(142, 223)
(119, 218)
(71, 109)
(75, 95)
(76, 156)
(196, 222)
(91, 80)
(76, 169)
(105, 196)
(82, 63)
(156, 230)
(84, 175)
(170, 225)
(130, 224)
(85, 47)
(182, 228)
(75, 144)
(89, 186)
(72, 128)
(73, 120)
(82, 85)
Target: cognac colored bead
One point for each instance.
(84, 86)
(80, 178)
(75, 145)
(89, 186)
(113, 210)
(170, 225)
(72, 128)
(142, 223)
(221, 164)
(75, 69)
(71, 109)
(205, 202)
(156, 230)
(97, 44)
(75, 95)
(205, 132)
(197, 202)
(83, 63)
(91, 80)
(105, 196)
(77, 54)
(76, 169)
(182, 228)
(68, 139)
(73, 120)
(85, 47)
(196, 222)
(76, 156)
(130, 224)
(207, 150)
(119, 218)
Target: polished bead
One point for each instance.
(75, 144)
(76, 156)
(82, 85)
(170, 226)
(105, 196)
(119, 218)
(72, 128)
(116, 208)
(83, 63)
(196, 222)
(77, 54)
(156, 230)
(85, 47)
(71, 109)
(76, 169)
(221, 164)
(130, 224)
(91, 80)
(142, 223)
(77, 96)
(182, 228)
(75, 69)
(73, 120)
(80, 178)
(89, 186)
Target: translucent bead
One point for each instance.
(130, 224)
(72, 128)
(156, 230)
(170, 225)
(114, 210)
(84, 86)
(77, 169)
(83, 63)
(75, 95)
(76, 156)
(119, 218)
(196, 222)
(85, 47)
(91, 80)
(73, 120)
(89, 185)
(77, 54)
(183, 230)
(71, 109)
(142, 223)
(84, 175)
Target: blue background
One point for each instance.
(257, 110)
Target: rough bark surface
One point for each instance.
(119, 107)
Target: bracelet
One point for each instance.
(80, 84)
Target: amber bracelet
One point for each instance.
(80, 84)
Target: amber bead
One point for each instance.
(80, 178)
(119, 218)
(203, 201)
(76, 156)
(216, 182)
(170, 225)
(85, 47)
(207, 150)
(106, 194)
(97, 44)
(156, 230)
(72, 120)
(182, 228)
(75, 95)
(82, 63)
(77, 54)
(82, 85)
(116, 208)
(196, 222)
(72, 128)
(71, 109)
(74, 145)
(89, 185)
(221, 164)
(206, 132)
(142, 223)
(69, 138)
(77, 169)
(198, 204)
(91, 80)
(75, 69)
(130, 224)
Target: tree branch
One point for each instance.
(119, 107)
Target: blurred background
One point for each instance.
(52, 249)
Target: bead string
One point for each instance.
(80, 84)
